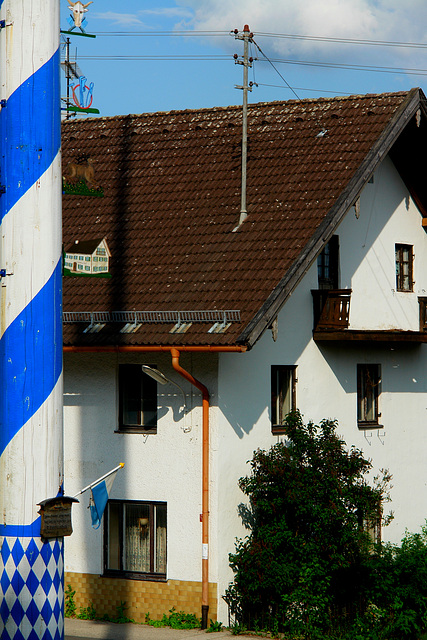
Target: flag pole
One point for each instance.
(92, 484)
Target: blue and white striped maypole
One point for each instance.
(31, 458)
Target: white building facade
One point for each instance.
(375, 387)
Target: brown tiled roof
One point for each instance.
(84, 247)
(172, 199)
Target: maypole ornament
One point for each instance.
(85, 93)
(78, 9)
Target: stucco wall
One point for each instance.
(367, 246)
(167, 466)
(326, 386)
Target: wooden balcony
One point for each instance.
(331, 319)
(331, 308)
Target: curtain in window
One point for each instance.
(137, 538)
(160, 539)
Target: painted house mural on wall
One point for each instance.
(87, 258)
(320, 297)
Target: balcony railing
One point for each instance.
(331, 308)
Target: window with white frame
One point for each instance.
(135, 539)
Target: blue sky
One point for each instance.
(209, 75)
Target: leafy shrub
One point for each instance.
(214, 626)
(175, 620)
(70, 605)
(121, 617)
(303, 563)
(87, 613)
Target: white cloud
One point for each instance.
(122, 19)
(136, 19)
(168, 12)
(386, 20)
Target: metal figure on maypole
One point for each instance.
(31, 457)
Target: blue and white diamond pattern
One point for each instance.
(32, 588)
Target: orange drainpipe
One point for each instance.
(175, 353)
(131, 348)
(205, 483)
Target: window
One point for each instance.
(422, 301)
(404, 260)
(135, 539)
(137, 400)
(372, 526)
(327, 265)
(283, 395)
(368, 392)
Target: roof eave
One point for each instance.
(271, 307)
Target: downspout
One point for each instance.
(205, 482)
(175, 353)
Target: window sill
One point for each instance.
(142, 430)
(278, 430)
(363, 426)
(129, 575)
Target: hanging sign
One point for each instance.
(56, 517)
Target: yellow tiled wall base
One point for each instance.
(141, 597)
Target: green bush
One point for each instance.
(87, 613)
(302, 568)
(70, 605)
(397, 586)
(175, 620)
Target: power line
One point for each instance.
(168, 57)
(276, 70)
(289, 36)
(351, 67)
(131, 34)
(271, 61)
(280, 86)
(376, 43)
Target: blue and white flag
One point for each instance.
(99, 498)
(99, 492)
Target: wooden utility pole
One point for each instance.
(246, 36)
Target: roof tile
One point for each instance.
(171, 200)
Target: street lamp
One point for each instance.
(160, 377)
